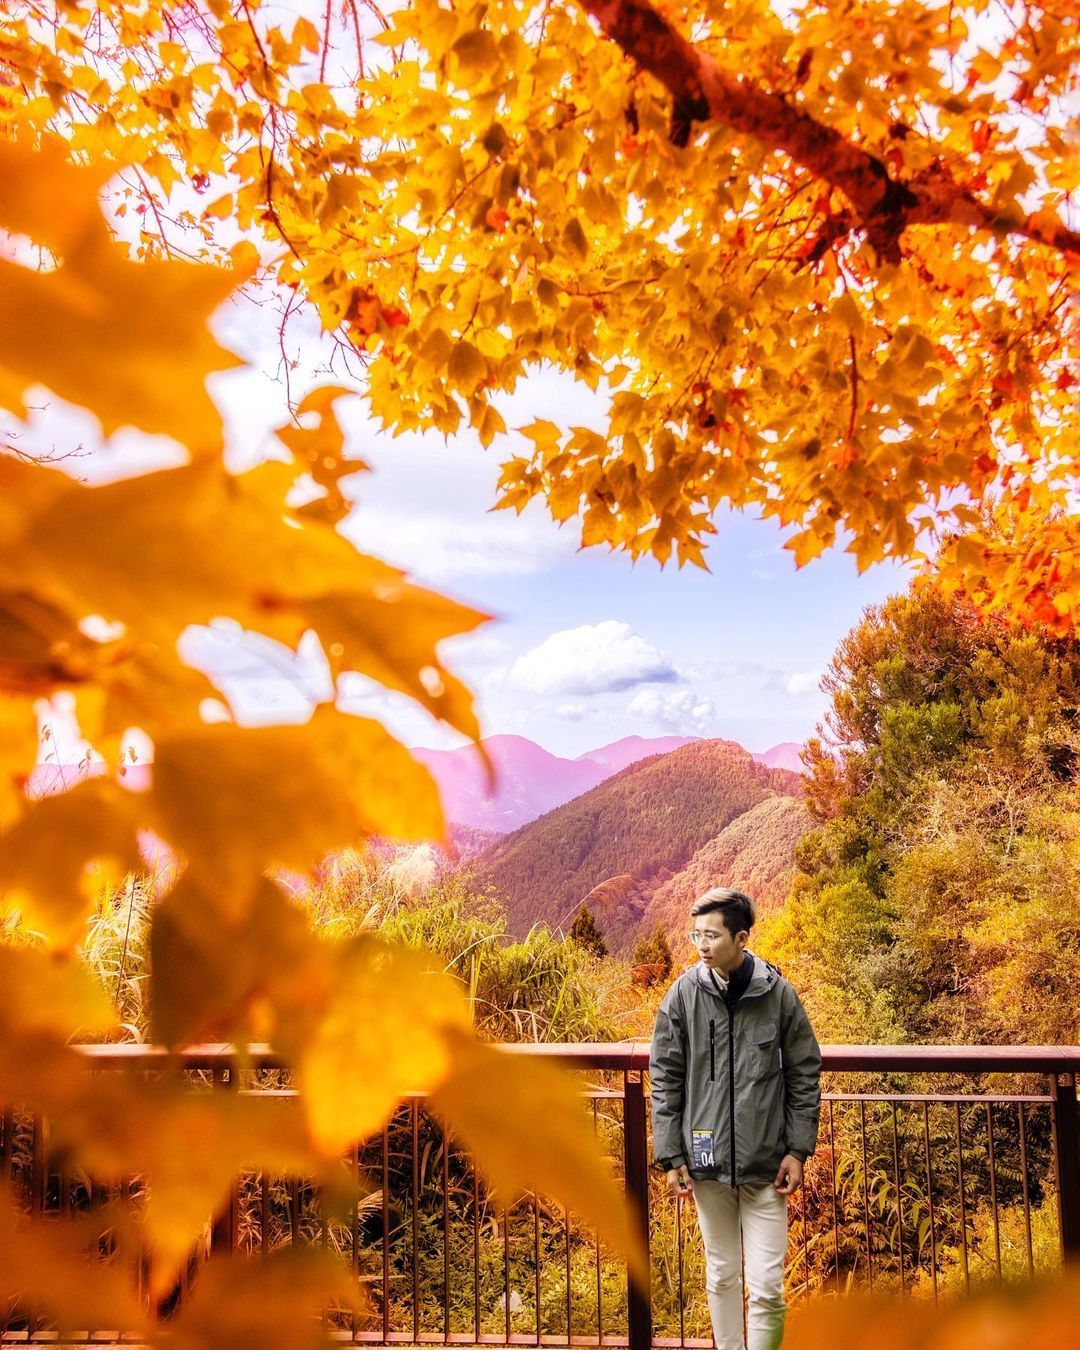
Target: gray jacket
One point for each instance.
(733, 1092)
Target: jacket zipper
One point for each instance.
(731, 1082)
(712, 1049)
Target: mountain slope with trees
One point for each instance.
(645, 823)
(756, 853)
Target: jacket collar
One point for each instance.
(761, 981)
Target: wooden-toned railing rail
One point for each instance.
(910, 1189)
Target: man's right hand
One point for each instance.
(679, 1180)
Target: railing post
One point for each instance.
(224, 1224)
(636, 1169)
(1067, 1162)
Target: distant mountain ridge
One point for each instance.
(637, 830)
(530, 781)
(786, 755)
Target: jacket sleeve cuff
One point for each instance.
(666, 1164)
(800, 1153)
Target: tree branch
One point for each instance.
(882, 206)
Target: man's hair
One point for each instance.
(736, 909)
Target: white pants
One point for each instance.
(744, 1229)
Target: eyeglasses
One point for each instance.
(698, 938)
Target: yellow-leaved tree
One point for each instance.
(817, 258)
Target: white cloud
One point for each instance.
(473, 651)
(401, 715)
(570, 712)
(440, 548)
(699, 672)
(803, 682)
(682, 710)
(594, 659)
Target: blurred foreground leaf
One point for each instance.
(1037, 1316)
(55, 1270)
(385, 1032)
(253, 1304)
(529, 1130)
(127, 340)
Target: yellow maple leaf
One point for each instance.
(320, 450)
(490, 1089)
(54, 1268)
(237, 800)
(384, 1033)
(127, 340)
(1040, 1315)
(237, 1302)
(220, 978)
(44, 991)
(46, 855)
(212, 544)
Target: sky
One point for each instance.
(583, 647)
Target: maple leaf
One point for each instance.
(127, 340)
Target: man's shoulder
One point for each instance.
(680, 986)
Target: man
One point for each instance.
(735, 1085)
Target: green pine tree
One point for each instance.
(585, 933)
(655, 953)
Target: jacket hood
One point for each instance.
(762, 979)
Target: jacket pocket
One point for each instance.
(764, 1056)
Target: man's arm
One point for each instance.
(802, 1081)
(667, 1084)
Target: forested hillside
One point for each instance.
(756, 852)
(646, 823)
(939, 899)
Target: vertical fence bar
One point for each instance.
(446, 1234)
(569, 1307)
(37, 1168)
(386, 1232)
(355, 1253)
(866, 1196)
(599, 1290)
(536, 1260)
(506, 1269)
(899, 1197)
(415, 1186)
(294, 1211)
(1021, 1111)
(993, 1187)
(476, 1253)
(930, 1197)
(636, 1166)
(1067, 1162)
(963, 1200)
(682, 1288)
(835, 1210)
(224, 1224)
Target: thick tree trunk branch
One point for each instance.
(883, 207)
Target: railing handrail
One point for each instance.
(634, 1056)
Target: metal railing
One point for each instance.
(910, 1190)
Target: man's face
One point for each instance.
(718, 949)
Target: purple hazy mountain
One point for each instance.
(619, 754)
(783, 756)
(529, 779)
